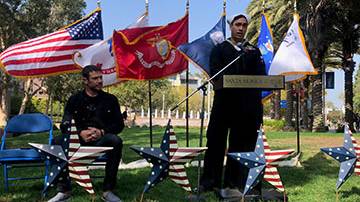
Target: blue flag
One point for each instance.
(265, 44)
(199, 50)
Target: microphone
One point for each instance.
(240, 46)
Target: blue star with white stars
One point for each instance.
(346, 155)
(255, 161)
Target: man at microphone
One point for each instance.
(236, 113)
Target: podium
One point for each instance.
(261, 82)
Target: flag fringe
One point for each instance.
(127, 42)
(82, 19)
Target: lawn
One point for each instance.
(314, 181)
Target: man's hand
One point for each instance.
(86, 135)
(96, 133)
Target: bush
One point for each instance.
(274, 125)
(36, 105)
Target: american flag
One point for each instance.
(168, 160)
(348, 155)
(71, 155)
(261, 163)
(52, 53)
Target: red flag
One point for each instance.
(150, 52)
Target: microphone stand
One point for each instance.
(205, 83)
(203, 87)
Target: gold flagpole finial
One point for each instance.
(147, 6)
(224, 7)
(98, 3)
(263, 5)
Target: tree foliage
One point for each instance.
(135, 94)
(357, 92)
(25, 19)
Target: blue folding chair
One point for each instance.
(24, 157)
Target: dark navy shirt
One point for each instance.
(101, 111)
(233, 102)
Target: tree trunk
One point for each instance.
(349, 114)
(48, 103)
(272, 108)
(305, 106)
(3, 117)
(27, 95)
(318, 104)
(349, 104)
(289, 107)
(4, 100)
(277, 108)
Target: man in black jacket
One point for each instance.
(235, 111)
(98, 117)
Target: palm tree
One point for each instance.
(347, 28)
(317, 28)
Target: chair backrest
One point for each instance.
(28, 123)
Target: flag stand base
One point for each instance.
(273, 195)
(195, 197)
(266, 195)
(293, 162)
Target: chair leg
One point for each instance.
(47, 165)
(6, 181)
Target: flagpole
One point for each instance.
(187, 90)
(224, 7)
(297, 89)
(149, 84)
(98, 4)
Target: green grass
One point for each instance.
(315, 181)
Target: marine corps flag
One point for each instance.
(150, 52)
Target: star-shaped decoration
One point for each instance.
(348, 155)
(168, 160)
(70, 156)
(261, 163)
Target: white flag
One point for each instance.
(100, 54)
(292, 59)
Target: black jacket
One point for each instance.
(102, 111)
(235, 102)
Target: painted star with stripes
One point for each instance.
(348, 155)
(168, 160)
(261, 163)
(71, 155)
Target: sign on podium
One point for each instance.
(251, 81)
